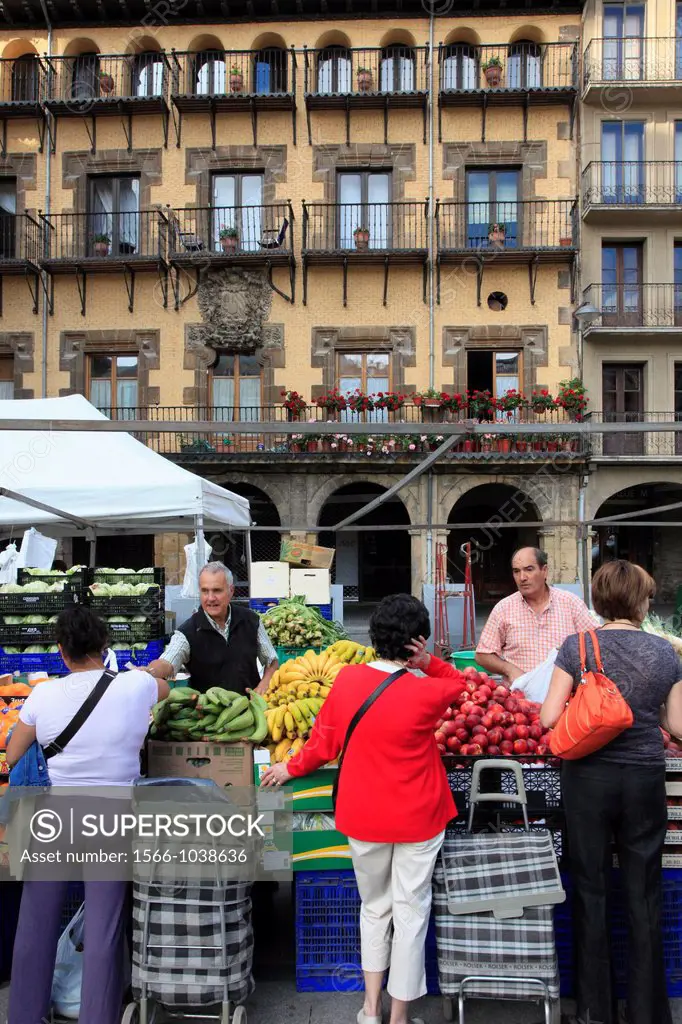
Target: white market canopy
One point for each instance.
(110, 480)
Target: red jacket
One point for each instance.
(393, 786)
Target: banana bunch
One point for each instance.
(222, 716)
(352, 653)
(293, 720)
(310, 675)
(285, 750)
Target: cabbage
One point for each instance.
(104, 572)
(52, 618)
(35, 649)
(75, 568)
(11, 650)
(117, 618)
(120, 647)
(35, 620)
(141, 588)
(37, 587)
(121, 589)
(57, 588)
(11, 588)
(139, 647)
(121, 572)
(100, 590)
(53, 649)
(139, 618)
(14, 620)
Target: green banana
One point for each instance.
(236, 708)
(241, 722)
(258, 711)
(206, 720)
(160, 712)
(217, 695)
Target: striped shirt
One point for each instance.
(177, 652)
(514, 632)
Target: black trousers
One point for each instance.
(626, 803)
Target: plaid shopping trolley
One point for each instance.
(493, 894)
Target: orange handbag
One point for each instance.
(595, 714)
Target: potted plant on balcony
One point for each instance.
(510, 401)
(492, 70)
(497, 234)
(430, 402)
(101, 245)
(359, 402)
(331, 401)
(223, 444)
(365, 79)
(566, 241)
(296, 443)
(541, 401)
(313, 441)
(236, 79)
(482, 405)
(229, 240)
(487, 443)
(392, 401)
(106, 83)
(455, 403)
(361, 237)
(572, 397)
(294, 404)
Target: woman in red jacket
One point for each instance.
(393, 798)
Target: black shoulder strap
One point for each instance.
(385, 683)
(81, 716)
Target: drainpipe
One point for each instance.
(48, 197)
(432, 325)
(583, 540)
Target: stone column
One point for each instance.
(418, 559)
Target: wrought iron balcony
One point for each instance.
(77, 84)
(639, 307)
(228, 234)
(638, 63)
(631, 185)
(658, 444)
(223, 442)
(217, 81)
(23, 85)
(374, 233)
(467, 68)
(507, 230)
(389, 77)
(104, 241)
(21, 241)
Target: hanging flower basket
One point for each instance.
(106, 83)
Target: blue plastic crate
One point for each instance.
(153, 650)
(672, 934)
(50, 663)
(262, 604)
(328, 935)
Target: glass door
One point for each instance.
(623, 42)
(363, 210)
(237, 212)
(492, 209)
(8, 220)
(622, 304)
(623, 401)
(622, 154)
(115, 208)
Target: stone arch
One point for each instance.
(463, 34)
(531, 33)
(140, 43)
(19, 48)
(271, 488)
(205, 42)
(397, 37)
(604, 486)
(318, 498)
(80, 45)
(333, 38)
(269, 41)
(541, 496)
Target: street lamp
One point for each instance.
(585, 314)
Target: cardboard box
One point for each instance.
(314, 584)
(269, 579)
(321, 851)
(229, 765)
(310, 556)
(310, 793)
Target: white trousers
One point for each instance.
(394, 882)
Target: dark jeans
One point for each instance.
(626, 803)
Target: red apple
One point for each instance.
(449, 728)
(532, 746)
(479, 730)
(501, 692)
(462, 735)
(510, 733)
(506, 747)
(482, 740)
(494, 750)
(520, 747)
(453, 744)
(487, 721)
(440, 737)
(543, 750)
(447, 713)
(498, 717)
(459, 719)
(495, 736)
(511, 705)
(467, 707)
(464, 750)
(472, 720)
(442, 749)
(535, 731)
(485, 690)
(471, 687)
(522, 732)
(475, 749)
(520, 718)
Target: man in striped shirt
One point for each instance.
(524, 628)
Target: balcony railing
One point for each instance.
(22, 81)
(635, 305)
(506, 226)
(639, 59)
(390, 70)
(365, 228)
(652, 444)
(233, 73)
(21, 239)
(83, 81)
(222, 442)
(232, 231)
(632, 183)
(102, 238)
(514, 67)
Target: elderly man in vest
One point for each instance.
(220, 643)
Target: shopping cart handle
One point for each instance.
(476, 797)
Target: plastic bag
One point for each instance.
(36, 551)
(535, 684)
(68, 970)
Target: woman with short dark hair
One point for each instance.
(618, 794)
(105, 751)
(394, 800)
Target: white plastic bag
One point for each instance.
(190, 584)
(68, 970)
(535, 684)
(37, 551)
(9, 559)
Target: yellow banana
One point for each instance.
(281, 749)
(276, 733)
(296, 746)
(289, 721)
(325, 691)
(306, 713)
(279, 716)
(299, 718)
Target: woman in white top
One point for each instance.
(104, 752)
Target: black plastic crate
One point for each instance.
(38, 604)
(96, 576)
(76, 579)
(542, 782)
(152, 604)
(136, 633)
(555, 829)
(22, 636)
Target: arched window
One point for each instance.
(25, 78)
(270, 71)
(148, 74)
(524, 66)
(397, 69)
(460, 69)
(210, 71)
(334, 70)
(85, 77)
